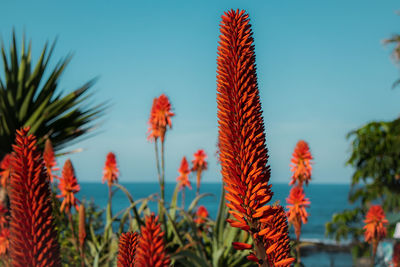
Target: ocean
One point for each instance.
(326, 199)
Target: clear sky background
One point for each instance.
(322, 72)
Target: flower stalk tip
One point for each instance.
(69, 187)
(301, 164)
(110, 171)
(151, 251)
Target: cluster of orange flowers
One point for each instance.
(201, 215)
(297, 202)
(301, 164)
(160, 118)
(375, 229)
(31, 236)
(199, 165)
(243, 153)
(110, 171)
(183, 178)
(144, 250)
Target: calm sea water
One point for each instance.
(326, 199)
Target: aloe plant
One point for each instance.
(30, 96)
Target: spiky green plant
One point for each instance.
(30, 96)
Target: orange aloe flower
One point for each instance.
(33, 236)
(5, 173)
(201, 215)
(110, 171)
(127, 248)
(160, 118)
(69, 187)
(184, 171)
(301, 163)
(243, 152)
(49, 159)
(151, 251)
(199, 165)
(297, 213)
(4, 241)
(375, 229)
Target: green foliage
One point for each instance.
(207, 244)
(376, 157)
(29, 96)
(376, 179)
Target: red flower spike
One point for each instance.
(6, 168)
(375, 229)
(4, 241)
(151, 251)
(160, 118)
(301, 164)
(127, 248)
(297, 213)
(277, 242)
(184, 171)
(199, 165)
(33, 238)
(110, 171)
(69, 187)
(49, 159)
(201, 215)
(243, 153)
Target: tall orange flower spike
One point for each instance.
(49, 159)
(375, 229)
(110, 171)
(69, 187)
(160, 118)
(5, 167)
(184, 171)
(201, 215)
(301, 164)
(127, 248)
(199, 165)
(151, 251)
(243, 153)
(33, 238)
(297, 213)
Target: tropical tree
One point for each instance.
(30, 96)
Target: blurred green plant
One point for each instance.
(376, 179)
(30, 95)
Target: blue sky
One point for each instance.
(321, 65)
